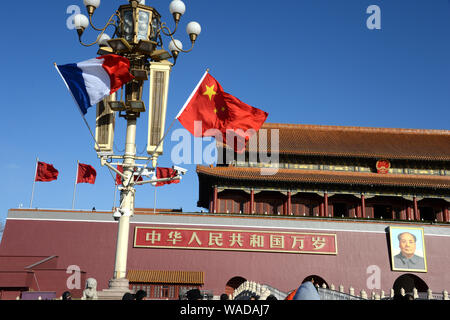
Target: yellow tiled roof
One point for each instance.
(164, 276)
(361, 142)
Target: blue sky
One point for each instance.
(302, 61)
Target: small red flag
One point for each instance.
(216, 109)
(86, 174)
(119, 178)
(45, 172)
(165, 173)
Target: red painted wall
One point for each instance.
(91, 246)
(16, 279)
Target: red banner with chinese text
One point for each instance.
(240, 240)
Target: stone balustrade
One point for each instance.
(250, 288)
(262, 291)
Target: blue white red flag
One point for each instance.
(92, 80)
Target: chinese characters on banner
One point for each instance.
(241, 240)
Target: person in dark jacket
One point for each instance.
(224, 296)
(194, 294)
(141, 295)
(128, 296)
(66, 296)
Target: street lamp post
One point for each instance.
(138, 32)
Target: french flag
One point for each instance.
(92, 80)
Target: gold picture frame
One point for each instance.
(407, 249)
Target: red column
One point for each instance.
(403, 214)
(325, 204)
(446, 214)
(363, 206)
(288, 206)
(440, 215)
(416, 209)
(252, 201)
(215, 201)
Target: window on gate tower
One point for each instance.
(340, 209)
(427, 213)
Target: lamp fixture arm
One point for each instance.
(95, 42)
(110, 21)
(179, 49)
(165, 27)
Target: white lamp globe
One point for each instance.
(80, 21)
(94, 3)
(103, 40)
(177, 6)
(175, 45)
(193, 27)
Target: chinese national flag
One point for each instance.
(165, 173)
(219, 110)
(45, 172)
(86, 174)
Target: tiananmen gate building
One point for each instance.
(335, 206)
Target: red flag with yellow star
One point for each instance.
(216, 109)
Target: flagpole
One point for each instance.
(34, 182)
(75, 186)
(154, 204)
(115, 192)
(192, 94)
(79, 109)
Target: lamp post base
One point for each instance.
(117, 288)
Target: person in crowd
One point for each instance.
(408, 297)
(306, 291)
(128, 296)
(66, 296)
(141, 295)
(224, 296)
(194, 294)
(291, 295)
(399, 297)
